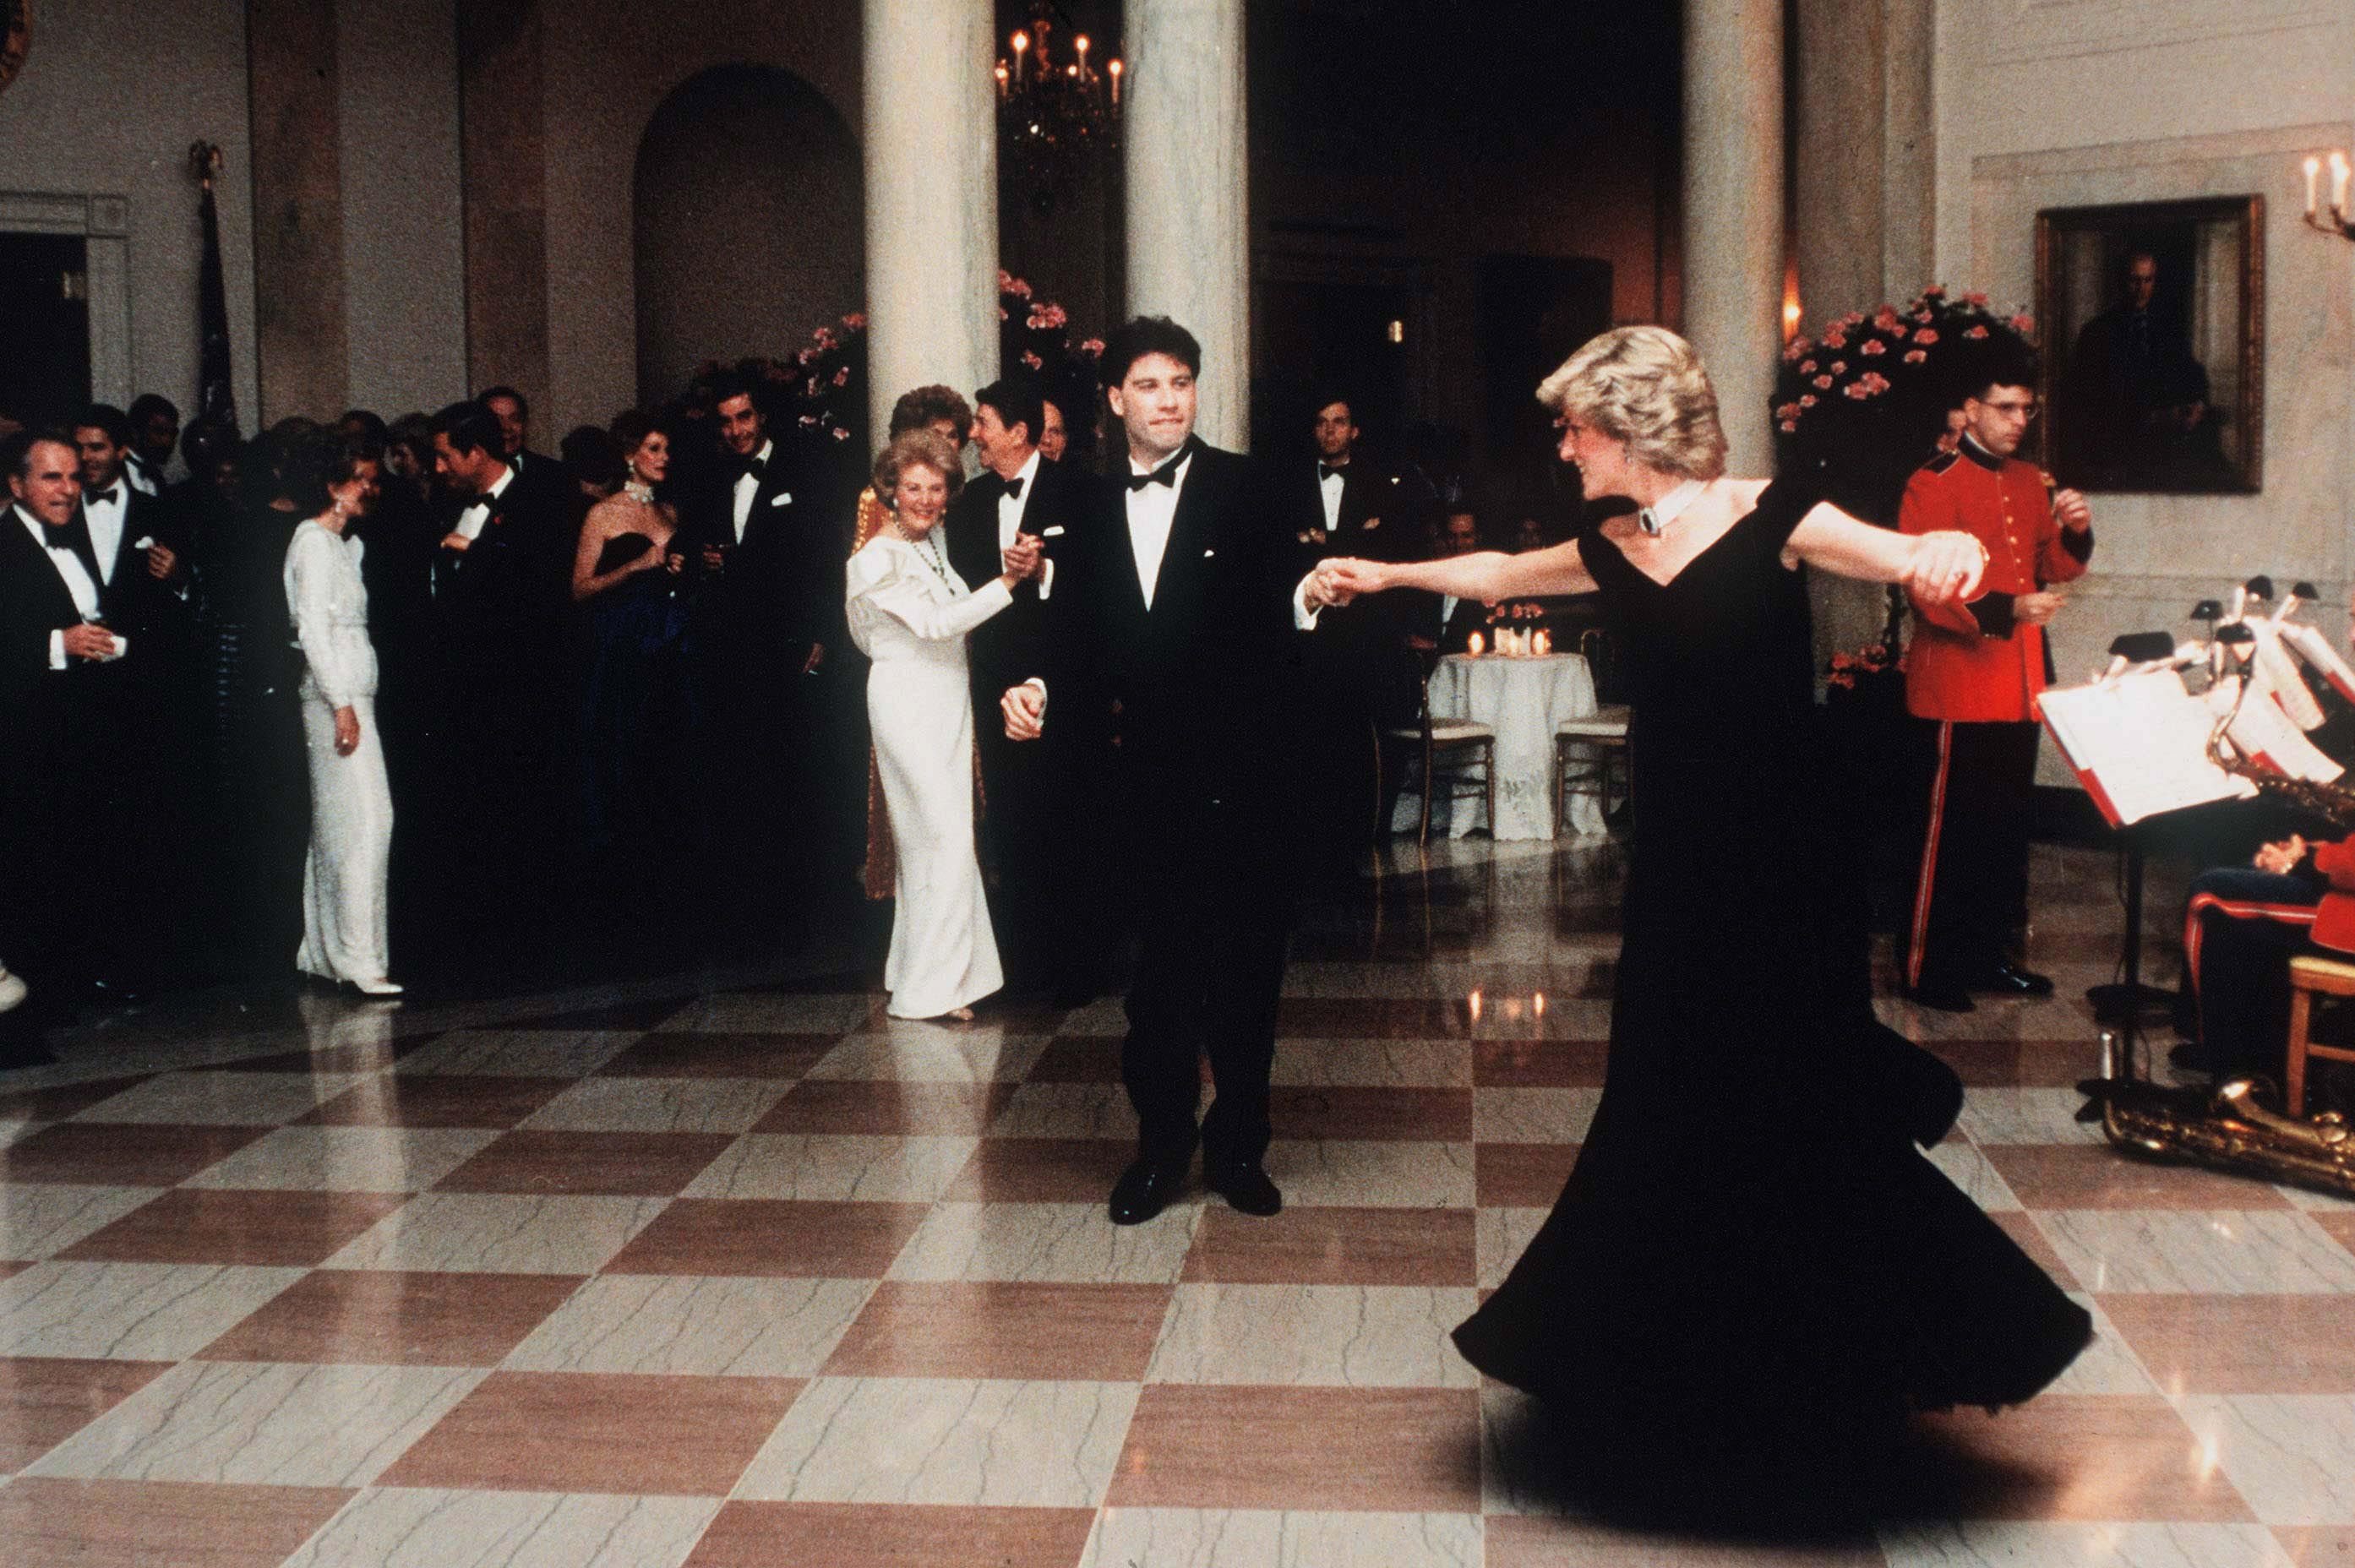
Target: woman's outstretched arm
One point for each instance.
(1485, 576)
(1940, 568)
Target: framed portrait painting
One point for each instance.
(2153, 318)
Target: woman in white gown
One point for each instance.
(909, 612)
(343, 936)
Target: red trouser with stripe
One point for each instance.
(1972, 891)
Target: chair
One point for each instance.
(1452, 750)
(2308, 978)
(1603, 735)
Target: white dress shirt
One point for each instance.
(77, 579)
(139, 476)
(1330, 486)
(1010, 510)
(105, 518)
(475, 518)
(748, 486)
(1151, 509)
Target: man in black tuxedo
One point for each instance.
(498, 587)
(155, 432)
(512, 411)
(77, 865)
(1170, 651)
(1036, 909)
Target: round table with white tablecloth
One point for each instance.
(1522, 699)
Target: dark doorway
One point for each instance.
(1325, 339)
(44, 298)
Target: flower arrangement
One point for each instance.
(1859, 408)
(1849, 670)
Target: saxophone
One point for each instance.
(2334, 803)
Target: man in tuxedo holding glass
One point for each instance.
(1170, 647)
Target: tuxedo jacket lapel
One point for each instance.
(1192, 534)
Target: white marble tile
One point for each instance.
(660, 1106)
(221, 1098)
(1972, 1172)
(1251, 1537)
(1325, 1173)
(401, 1527)
(693, 1325)
(911, 1052)
(2025, 1116)
(522, 1052)
(257, 1423)
(37, 1219)
(1499, 1238)
(1315, 1335)
(131, 1312)
(935, 1440)
(1379, 1063)
(812, 1166)
(1532, 1115)
(1067, 1111)
(347, 1160)
(754, 1012)
(490, 1232)
(1065, 1243)
(2230, 1251)
(2007, 1544)
(2291, 1455)
(2108, 1365)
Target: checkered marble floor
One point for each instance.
(637, 1278)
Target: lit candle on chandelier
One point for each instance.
(1001, 74)
(1080, 45)
(1021, 52)
(1115, 67)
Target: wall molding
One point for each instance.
(104, 223)
(2045, 30)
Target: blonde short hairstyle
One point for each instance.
(1644, 386)
(917, 449)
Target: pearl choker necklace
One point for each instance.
(639, 491)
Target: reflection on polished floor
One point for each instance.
(731, 1270)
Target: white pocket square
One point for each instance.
(1209, 553)
(1053, 533)
(783, 498)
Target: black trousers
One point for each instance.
(1972, 891)
(1017, 849)
(2240, 928)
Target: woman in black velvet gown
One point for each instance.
(1751, 1255)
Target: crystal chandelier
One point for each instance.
(1054, 111)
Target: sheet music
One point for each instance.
(2277, 677)
(2266, 735)
(2142, 743)
(2311, 645)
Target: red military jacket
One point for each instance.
(2334, 919)
(1977, 661)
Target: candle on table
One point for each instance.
(2313, 169)
(1476, 645)
(2338, 184)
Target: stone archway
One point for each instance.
(749, 225)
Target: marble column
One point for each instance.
(1909, 140)
(1733, 261)
(502, 160)
(300, 330)
(932, 198)
(1189, 188)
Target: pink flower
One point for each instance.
(808, 419)
(1835, 339)
(1033, 360)
(1858, 390)
(1092, 346)
(1823, 383)
(1874, 382)
(809, 388)
(822, 338)
(1809, 368)
(1007, 283)
(1935, 292)
(840, 433)
(1924, 317)
(1885, 318)
(1976, 332)
(1840, 367)
(1790, 427)
(842, 376)
(1806, 400)
(1915, 356)
(1795, 349)
(1925, 337)
(1874, 346)
(804, 356)
(1047, 318)
(1975, 300)
(855, 322)
(1001, 313)
(2024, 323)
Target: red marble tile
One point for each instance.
(1327, 1111)
(598, 1431)
(1515, 1541)
(689, 1055)
(1979, 1063)
(1335, 1246)
(120, 1153)
(2096, 1176)
(46, 1399)
(192, 1225)
(1042, 1170)
(771, 1237)
(2339, 1227)
(1521, 1176)
(887, 1108)
(1539, 1063)
(14, 1266)
(2318, 1546)
(1395, 1450)
(1078, 1059)
(150, 1524)
(2240, 1344)
(56, 1104)
(335, 1058)
(366, 1317)
(892, 1535)
(437, 1100)
(1083, 1333)
(2101, 1457)
(617, 1164)
(2057, 1063)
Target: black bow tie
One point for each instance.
(758, 467)
(73, 535)
(1165, 475)
(1326, 471)
(1014, 489)
(106, 497)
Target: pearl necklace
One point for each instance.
(927, 552)
(639, 491)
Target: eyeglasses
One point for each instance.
(2024, 411)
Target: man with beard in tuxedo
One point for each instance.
(1170, 651)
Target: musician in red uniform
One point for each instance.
(2240, 927)
(1977, 669)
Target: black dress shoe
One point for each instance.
(1945, 998)
(1143, 1190)
(2010, 980)
(1246, 1189)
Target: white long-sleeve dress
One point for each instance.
(909, 612)
(344, 936)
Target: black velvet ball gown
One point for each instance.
(632, 717)
(1752, 1255)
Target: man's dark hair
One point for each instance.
(207, 442)
(147, 405)
(730, 384)
(922, 406)
(371, 424)
(1017, 403)
(471, 427)
(2003, 359)
(1147, 334)
(1323, 398)
(594, 456)
(17, 450)
(522, 403)
(108, 417)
